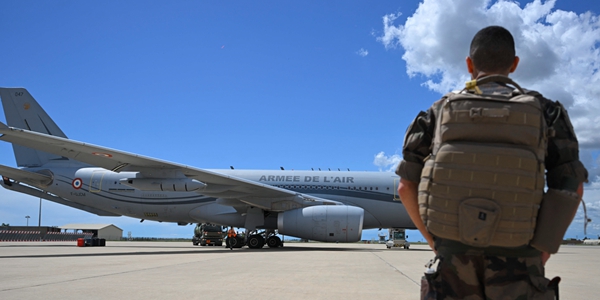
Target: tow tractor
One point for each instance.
(397, 238)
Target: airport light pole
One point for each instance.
(27, 217)
(40, 216)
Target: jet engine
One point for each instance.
(164, 184)
(325, 223)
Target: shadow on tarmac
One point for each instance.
(114, 250)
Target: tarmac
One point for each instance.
(177, 270)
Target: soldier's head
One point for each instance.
(492, 52)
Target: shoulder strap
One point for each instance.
(492, 78)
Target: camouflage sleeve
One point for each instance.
(564, 170)
(417, 146)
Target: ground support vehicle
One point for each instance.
(208, 234)
(397, 238)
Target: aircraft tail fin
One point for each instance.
(22, 111)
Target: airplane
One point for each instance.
(325, 206)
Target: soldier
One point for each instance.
(479, 257)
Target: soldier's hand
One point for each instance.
(545, 257)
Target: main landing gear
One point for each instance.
(257, 240)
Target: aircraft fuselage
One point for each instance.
(375, 192)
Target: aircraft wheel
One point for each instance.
(273, 242)
(256, 241)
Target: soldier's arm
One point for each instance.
(564, 170)
(417, 143)
(546, 255)
(408, 191)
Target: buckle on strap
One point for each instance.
(476, 112)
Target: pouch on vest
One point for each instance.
(554, 217)
(477, 220)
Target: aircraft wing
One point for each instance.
(217, 185)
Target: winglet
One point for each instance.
(3, 126)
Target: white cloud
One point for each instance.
(386, 163)
(559, 51)
(362, 52)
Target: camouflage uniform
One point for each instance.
(476, 276)
(466, 272)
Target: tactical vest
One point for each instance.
(483, 183)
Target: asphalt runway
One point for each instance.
(174, 270)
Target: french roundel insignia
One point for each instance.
(77, 183)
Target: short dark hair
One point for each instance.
(492, 49)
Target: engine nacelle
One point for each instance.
(164, 184)
(325, 223)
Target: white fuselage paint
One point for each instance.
(375, 192)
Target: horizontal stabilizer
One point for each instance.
(35, 179)
(17, 187)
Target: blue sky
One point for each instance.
(259, 85)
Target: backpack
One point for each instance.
(483, 183)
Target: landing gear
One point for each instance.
(274, 241)
(256, 241)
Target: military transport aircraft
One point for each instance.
(333, 206)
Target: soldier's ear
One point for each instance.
(514, 65)
(470, 67)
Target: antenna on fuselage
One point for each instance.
(231, 167)
(282, 169)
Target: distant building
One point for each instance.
(109, 232)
